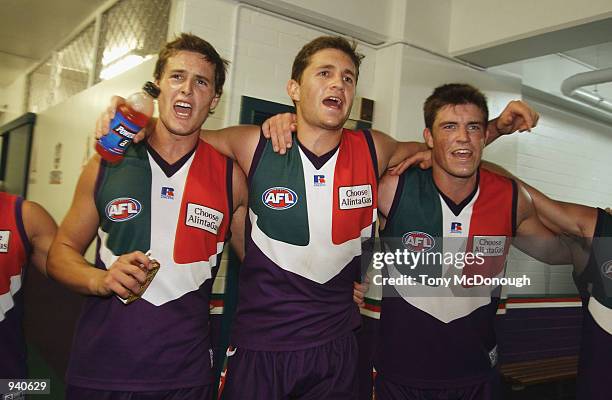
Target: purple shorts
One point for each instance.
(325, 372)
(488, 390)
(194, 393)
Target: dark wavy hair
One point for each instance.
(191, 42)
(453, 94)
(302, 59)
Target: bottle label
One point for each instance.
(120, 135)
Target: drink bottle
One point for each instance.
(129, 119)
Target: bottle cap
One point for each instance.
(151, 89)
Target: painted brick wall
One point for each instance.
(567, 158)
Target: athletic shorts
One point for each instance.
(325, 372)
(489, 390)
(194, 393)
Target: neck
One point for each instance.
(317, 139)
(169, 146)
(455, 188)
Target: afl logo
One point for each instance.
(279, 198)
(122, 209)
(606, 269)
(418, 241)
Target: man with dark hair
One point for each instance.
(26, 232)
(304, 251)
(173, 198)
(453, 93)
(195, 44)
(436, 337)
(302, 59)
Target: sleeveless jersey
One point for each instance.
(595, 285)
(14, 251)
(437, 334)
(303, 247)
(161, 341)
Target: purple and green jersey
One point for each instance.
(180, 214)
(308, 216)
(442, 335)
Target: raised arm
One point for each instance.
(66, 263)
(40, 229)
(517, 116)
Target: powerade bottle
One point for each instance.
(130, 118)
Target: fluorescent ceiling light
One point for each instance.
(114, 53)
(121, 65)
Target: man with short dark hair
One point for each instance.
(173, 198)
(436, 336)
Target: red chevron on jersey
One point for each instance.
(204, 216)
(489, 234)
(355, 186)
(13, 255)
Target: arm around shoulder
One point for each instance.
(534, 238)
(236, 142)
(391, 152)
(560, 217)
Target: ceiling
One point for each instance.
(30, 29)
(598, 56)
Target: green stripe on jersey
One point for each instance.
(129, 179)
(418, 211)
(289, 225)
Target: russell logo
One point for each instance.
(606, 268)
(123, 209)
(418, 241)
(279, 198)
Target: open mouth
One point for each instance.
(182, 109)
(333, 102)
(462, 153)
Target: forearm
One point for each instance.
(551, 250)
(493, 133)
(67, 266)
(561, 217)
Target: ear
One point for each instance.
(293, 90)
(214, 102)
(428, 136)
